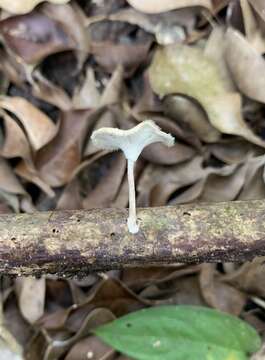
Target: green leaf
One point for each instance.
(181, 333)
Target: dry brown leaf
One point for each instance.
(31, 175)
(156, 6)
(45, 90)
(57, 161)
(87, 96)
(246, 65)
(25, 6)
(16, 143)
(109, 55)
(95, 318)
(110, 294)
(188, 71)
(249, 277)
(70, 198)
(158, 183)
(189, 114)
(113, 91)
(168, 28)
(233, 151)
(159, 154)
(215, 50)
(72, 21)
(34, 36)
(91, 348)
(189, 195)
(38, 126)
(224, 188)
(259, 6)
(252, 29)
(219, 295)
(108, 186)
(10, 187)
(31, 297)
(254, 187)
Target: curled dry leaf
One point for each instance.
(168, 28)
(254, 187)
(92, 320)
(157, 6)
(251, 26)
(259, 6)
(188, 71)
(113, 90)
(87, 96)
(45, 90)
(10, 187)
(249, 72)
(31, 297)
(15, 143)
(188, 113)
(58, 160)
(158, 183)
(233, 152)
(107, 188)
(91, 348)
(109, 55)
(34, 36)
(215, 50)
(159, 154)
(72, 21)
(70, 198)
(30, 174)
(25, 6)
(249, 277)
(219, 295)
(224, 188)
(39, 127)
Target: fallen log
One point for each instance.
(77, 242)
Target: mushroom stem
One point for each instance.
(131, 222)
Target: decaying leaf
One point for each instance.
(106, 190)
(21, 7)
(10, 187)
(15, 143)
(251, 65)
(156, 6)
(87, 96)
(110, 55)
(91, 347)
(31, 297)
(218, 294)
(188, 113)
(252, 29)
(186, 70)
(39, 127)
(58, 160)
(34, 36)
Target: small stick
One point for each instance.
(69, 243)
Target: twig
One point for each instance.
(77, 242)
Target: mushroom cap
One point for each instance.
(131, 141)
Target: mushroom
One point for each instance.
(131, 142)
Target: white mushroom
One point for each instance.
(131, 142)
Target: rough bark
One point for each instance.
(77, 242)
